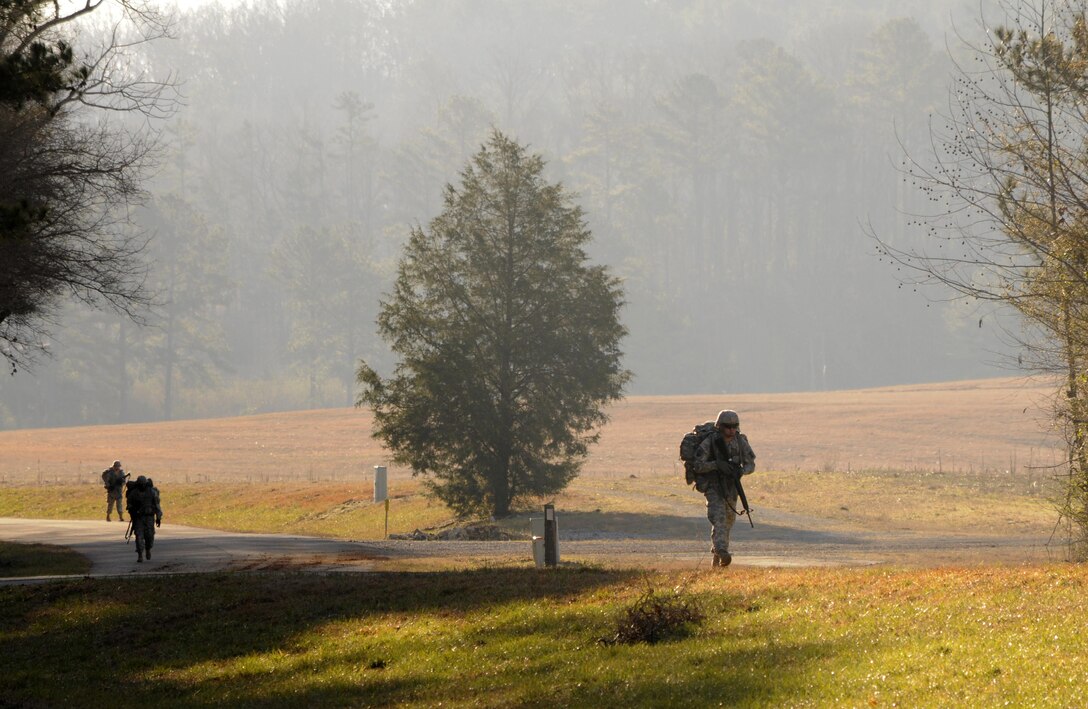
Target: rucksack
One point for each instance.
(689, 445)
(113, 480)
(137, 501)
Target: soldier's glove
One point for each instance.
(729, 469)
(158, 522)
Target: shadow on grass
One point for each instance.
(91, 642)
(20, 560)
(699, 671)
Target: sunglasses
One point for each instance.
(730, 425)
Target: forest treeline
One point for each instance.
(729, 157)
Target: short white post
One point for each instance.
(536, 532)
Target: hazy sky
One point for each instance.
(185, 5)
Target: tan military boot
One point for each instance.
(723, 558)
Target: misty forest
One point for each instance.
(731, 159)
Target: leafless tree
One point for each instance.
(1009, 178)
(72, 163)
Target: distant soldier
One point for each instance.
(722, 458)
(113, 478)
(145, 513)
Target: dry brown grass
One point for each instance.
(969, 426)
(972, 427)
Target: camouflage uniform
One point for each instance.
(718, 487)
(145, 512)
(114, 480)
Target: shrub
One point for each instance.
(654, 617)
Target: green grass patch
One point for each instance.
(527, 637)
(40, 560)
(337, 510)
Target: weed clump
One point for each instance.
(654, 617)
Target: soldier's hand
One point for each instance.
(158, 522)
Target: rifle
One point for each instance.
(733, 471)
(743, 497)
(734, 467)
(128, 532)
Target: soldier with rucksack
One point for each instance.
(145, 512)
(113, 479)
(715, 456)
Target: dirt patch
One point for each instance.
(466, 533)
(310, 562)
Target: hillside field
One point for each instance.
(962, 469)
(980, 426)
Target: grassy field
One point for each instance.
(974, 427)
(967, 457)
(337, 510)
(859, 500)
(502, 637)
(954, 456)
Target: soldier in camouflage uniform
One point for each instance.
(722, 457)
(113, 478)
(145, 513)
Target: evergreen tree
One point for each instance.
(508, 339)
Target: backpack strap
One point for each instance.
(717, 446)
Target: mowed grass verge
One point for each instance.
(336, 510)
(644, 505)
(526, 637)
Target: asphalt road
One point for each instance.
(180, 549)
(780, 540)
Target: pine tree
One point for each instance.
(507, 338)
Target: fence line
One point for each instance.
(55, 475)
